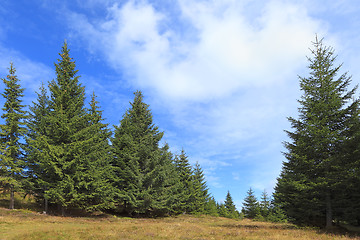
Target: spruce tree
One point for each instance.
(70, 154)
(66, 122)
(36, 163)
(251, 207)
(142, 169)
(222, 210)
(12, 161)
(265, 204)
(348, 204)
(211, 207)
(230, 207)
(184, 171)
(199, 190)
(309, 185)
(94, 174)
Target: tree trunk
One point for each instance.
(46, 205)
(328, 211)
(63, 211)
(12, 199)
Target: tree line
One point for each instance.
(62, 152)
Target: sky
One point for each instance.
(220, 76)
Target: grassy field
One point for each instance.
(25, 224)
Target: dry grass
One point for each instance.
(24, 224)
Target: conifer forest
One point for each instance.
(61, 151)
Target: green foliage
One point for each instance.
(276, 214)
(230, 207)
(309, 187)
(36, 163)
(199, 191)
(211, 207)
(251, 208)
(67, 148)
(143, 171)
(185, 188)
(70, 163)
(12, 161)
(265, 204)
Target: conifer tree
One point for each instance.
(308, 186)
(211, 207)
(200, 192)
(184, 171)
(222, 210)
(251, 206)
(141, 167)
(12, 161)
(265, 204)
(168, 184)
(230, 207)
(71, 151)
(347, 198)
(37, 124)
(94, 175)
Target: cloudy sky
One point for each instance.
(221, 76)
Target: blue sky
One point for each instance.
(220, 76)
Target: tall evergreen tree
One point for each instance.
(230, 206)
(200, 192)
(141, 167)
(94, 174)
(184, 170)
(66, 122)
(347, 201)
(309, 183)
(251, 205)
(69, 147)
(11, 156)
(37, 124)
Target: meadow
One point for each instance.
(26, 224)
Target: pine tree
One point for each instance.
(69, 144)
(12, 161)
(199, 190)
(346, 202)
(309, 183)
(211, 207)
(66, 122)
(142, 169)
(251, 207)
(36, 164)
(184, 171)
(265, 204)
(93, 176)
(167, 187)
(230, 207)
(222, 210)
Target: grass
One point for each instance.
(26, 224)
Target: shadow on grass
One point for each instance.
(28, 207)
(259, 226)
(343, 230)
(20, 203)
(347, 231)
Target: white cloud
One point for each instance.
(228, 54)
(227, 78)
